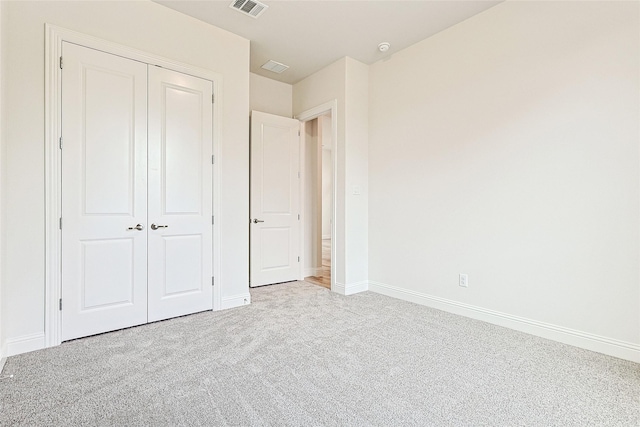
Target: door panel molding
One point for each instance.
(54, 37)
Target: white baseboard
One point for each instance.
(25, 344)
(235, 301)
(600, 344)
(351, 288)
(312, 272)
(338, 288)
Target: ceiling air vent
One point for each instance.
(274, 66)
(252, 8)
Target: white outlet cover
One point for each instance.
(463, 280)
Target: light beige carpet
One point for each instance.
(303, 356)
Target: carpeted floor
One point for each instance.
(300, 355)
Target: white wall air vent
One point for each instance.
(274, 66)
(252, 8)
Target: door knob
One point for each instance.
(155, 227)
(255, 221)
(138, 227)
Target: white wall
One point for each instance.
(346, 82)
(142, 25)
(270, 96)
(507, 148)
(357, 172)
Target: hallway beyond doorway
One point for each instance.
(324, 279)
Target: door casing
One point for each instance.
(54, 36)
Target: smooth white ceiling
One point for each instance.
(308, 35)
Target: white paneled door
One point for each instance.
(275, 191)
(127, 170)
(104, 192)
(180, 194)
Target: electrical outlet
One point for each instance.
(463, 280)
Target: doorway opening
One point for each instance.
(318, 199)
(289, 203)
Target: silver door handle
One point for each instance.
(155, 227)
(138, 227)
(255, 221)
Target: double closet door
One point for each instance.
(136, 193)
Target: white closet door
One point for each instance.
(104, 192)
(180, 194)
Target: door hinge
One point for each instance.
(298, 259)
(61, 143)
(298, 174)
(298, 132)
(61, 62)
(213, 219)
(60, 304)
(298, 217)
(60, 224)
(213, 98)
(213, 281)
(213, 159)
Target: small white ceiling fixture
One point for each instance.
(384, 46)
(253, 8)
(274, 66)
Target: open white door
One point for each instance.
(104, 193)
(275, 207)
(180, 194)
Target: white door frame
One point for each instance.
(54, 36)
(305, 116)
